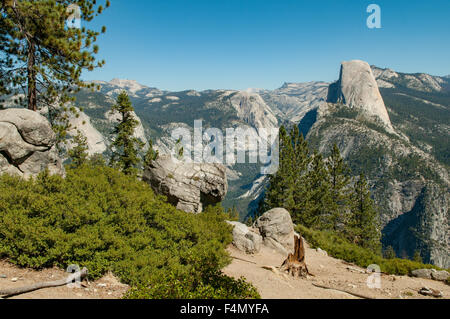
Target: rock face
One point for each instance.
(95, 140)
(358, 89)
(188, 186)
(277, 230)
(27, 144)
(246, 239)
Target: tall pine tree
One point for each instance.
(340, 189)
(126, 147)
(364, 223)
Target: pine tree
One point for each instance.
(340, 189)
(45, 58)
(316, 211)
(389, 253)
(126, 147)
(364, 217)
(281, 184)
(417, 257)
(79, 152)
(151, 154)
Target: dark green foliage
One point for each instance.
(151, 154)
(337, 246)
(389, 253)
(126, 147)
(319, 194)
(340, 189)
(214, 285)
(363, 226)
(102, 219)
(78, 155)
(417, 257)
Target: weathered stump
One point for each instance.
(295, 263)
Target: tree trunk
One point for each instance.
(31, 74)
(295, 263)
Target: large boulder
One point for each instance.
(277, 230)
(245, 239)
(27, 144)
(187, 186)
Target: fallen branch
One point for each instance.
(7, 293)
(248, 261)
(342, 290)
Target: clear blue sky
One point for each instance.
(237, 44)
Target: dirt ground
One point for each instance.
(271, 284)
(327, 271)
(107, 287)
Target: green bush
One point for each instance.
(101, 219)
(208, 286)
(338, 247)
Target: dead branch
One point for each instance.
(7, 293)
(342, 290)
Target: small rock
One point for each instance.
(352, 286)
(14, 279)
(109, 293)
(101, 285)
(323, 252)
(3, 276)
(425, 291)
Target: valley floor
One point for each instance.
(327, 271)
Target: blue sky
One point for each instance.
(237, 44)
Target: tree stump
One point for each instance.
(295, 263)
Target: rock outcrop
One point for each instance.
(187, 186)
(358, 89)
(440, 275)
(27, 144)
(277, 230)
(246, 239)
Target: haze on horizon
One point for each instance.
(178, 45)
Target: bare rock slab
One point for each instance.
(187, 186)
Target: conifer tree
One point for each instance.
(340, 189)
(79, 152)
(44, 57)
(281, 184)
(389, 253)
(126, 147)
(151, 154)
(364, 217)
(316, 211)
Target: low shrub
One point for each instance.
(101, 219)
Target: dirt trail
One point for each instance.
(107, 287)
(327, 271)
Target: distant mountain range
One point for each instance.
(401, 143)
